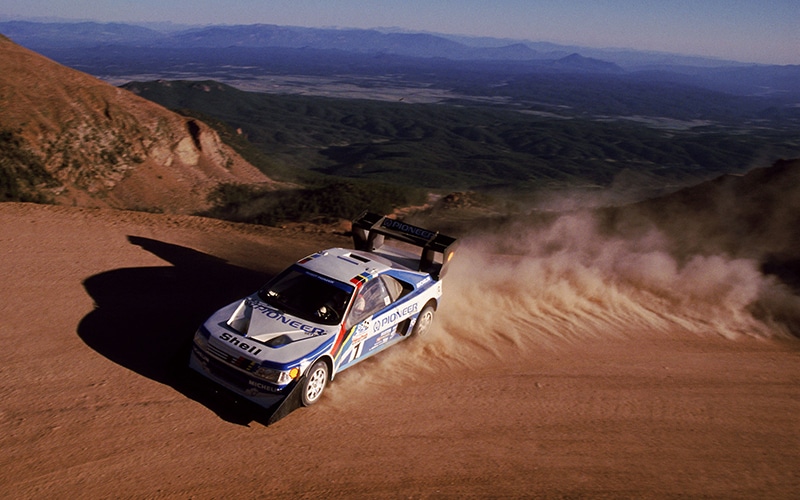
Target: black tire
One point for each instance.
(424, 321)
(314, 383)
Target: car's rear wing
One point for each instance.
(369, 230)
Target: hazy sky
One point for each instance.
(765, 31)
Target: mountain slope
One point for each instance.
(752, 216)
(104, 146)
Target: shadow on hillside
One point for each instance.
(144, 319)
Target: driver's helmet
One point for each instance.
(359, 305)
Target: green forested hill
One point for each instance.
(449, 146)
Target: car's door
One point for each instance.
(377, 324)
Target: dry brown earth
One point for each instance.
(106, 147)
(570, 385)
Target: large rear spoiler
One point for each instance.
(369, 230)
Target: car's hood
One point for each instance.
(260, 321)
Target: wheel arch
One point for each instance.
(328, 361)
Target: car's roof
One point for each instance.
(344, 264)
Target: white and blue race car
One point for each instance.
(325, 313)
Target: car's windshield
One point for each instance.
(308, 295)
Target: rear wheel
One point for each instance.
(314, 383)
(424, 321)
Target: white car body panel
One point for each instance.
(259, 350)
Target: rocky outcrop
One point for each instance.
(105, 146)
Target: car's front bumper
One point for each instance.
(256, 390)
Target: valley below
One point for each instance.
(338, 87)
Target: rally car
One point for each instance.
(325, 313)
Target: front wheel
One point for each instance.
(314, 383)
(424, 321)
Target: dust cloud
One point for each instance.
(534, 288)
(715, 261)
(567, 281)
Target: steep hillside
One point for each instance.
(753, 216)
(104, 146)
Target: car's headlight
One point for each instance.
(201, 339)
(279, 377)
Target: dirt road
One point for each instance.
(515, 394)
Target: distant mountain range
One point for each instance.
(88, 34)
(68, 43)
(369, 41)
(39, 36)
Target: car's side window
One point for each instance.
(372, 298)
(395, 287)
